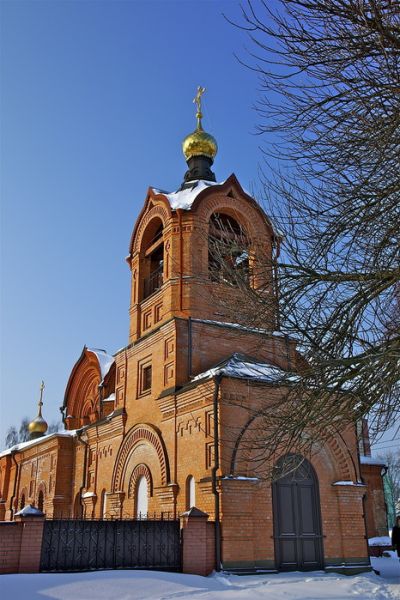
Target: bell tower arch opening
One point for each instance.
(151, 259)
(228, 250)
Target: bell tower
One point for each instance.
(193, 250)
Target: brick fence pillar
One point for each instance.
(31, 540)
(195, 541)
(351, 524)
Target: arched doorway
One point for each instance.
(297, 516)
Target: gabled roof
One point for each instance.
(241, 366)
(104, 362)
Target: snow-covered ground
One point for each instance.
(152, 585)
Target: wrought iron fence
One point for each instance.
(83, 544)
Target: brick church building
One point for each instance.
(158, 426)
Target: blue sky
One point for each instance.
(96, 98)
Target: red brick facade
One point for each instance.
(141, 414)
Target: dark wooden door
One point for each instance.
(297, 520)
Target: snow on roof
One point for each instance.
(356, 483)
(384, 540)
(109, 398)
(89, 495)
(105, 360)
(371, 460)
(245, 367)
(184, 198)
(241, 327)
(29, 511)
(241, 478)
(44, 438)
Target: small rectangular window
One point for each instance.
(146, 378)
(144, 375)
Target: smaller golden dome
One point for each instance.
(38, 426)
(199, 143)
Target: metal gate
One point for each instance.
(82, 545)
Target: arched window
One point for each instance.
(40, 500)
(228, 250)
(103, 507)
(152, 254)
(142, 499)
(22, 503)
(190, 492)
(78, 512)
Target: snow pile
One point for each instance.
(153, 585)
(244, 367)
(29, 511)
(384, 540)
(388, 567)
(184, 198)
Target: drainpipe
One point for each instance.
(190, 351)
(84, 468)
(101, 398)
(364, 498)
(179, 213)
(175, 455)
(217, 381)
(15, 485)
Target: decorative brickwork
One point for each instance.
(139, 434)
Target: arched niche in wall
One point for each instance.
(190, 492)
(41, 496)
(141, 498)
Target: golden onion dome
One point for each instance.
(38, 426)
(199, 143)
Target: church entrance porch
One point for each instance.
(297, 519)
